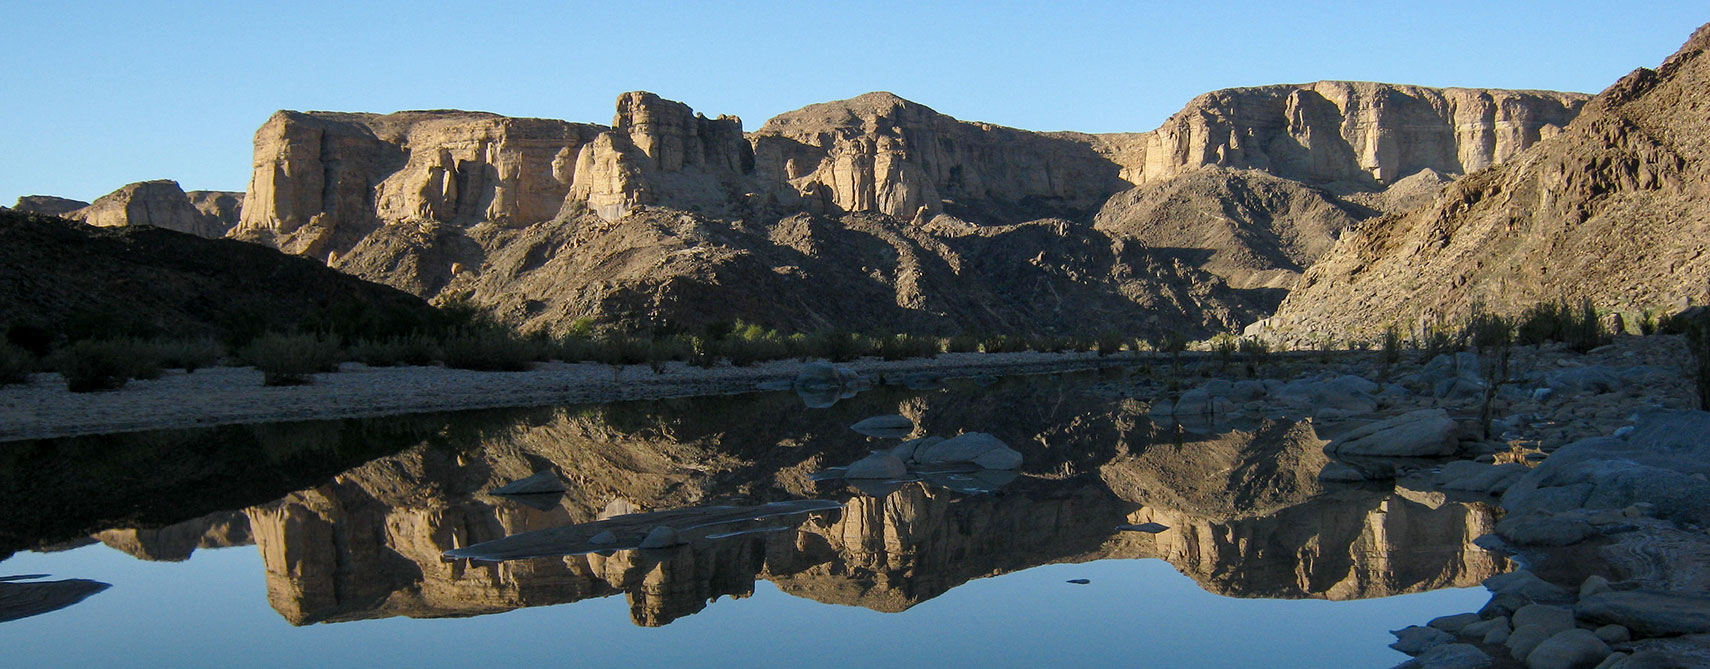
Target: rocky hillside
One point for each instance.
(141, 281)
(873, 212)
(1613, 208)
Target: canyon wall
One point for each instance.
(1611, 209)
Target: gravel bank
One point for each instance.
(224, 395)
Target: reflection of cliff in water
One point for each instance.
(1248, 516)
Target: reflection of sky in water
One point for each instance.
(213, 611)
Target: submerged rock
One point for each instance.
(885, 427)
(543, 482)
(974, 447)
(1423, 433)
(1449, 656)
(1415, 640)
(880, 465)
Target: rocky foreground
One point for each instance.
(1597, 462)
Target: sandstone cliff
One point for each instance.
(1358, 134)
(869, 213)
(1613, 208)
(48, 205)
(161, 204)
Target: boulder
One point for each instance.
(1536, 530)
(1613, 634)
(1454, 376)
(1647, 614)
(1526, 584)
(972, 447)
(1414, 640)
(1660, 462)
(1449, 656)
(1479, 629)
(906, 450)
(1247, 391)
(1201, 402)
(1349, 395)
(1455, 623)
(880, 465)
(1553, 617)
(1423, 433)
(661, 536)
(1568, 649)
(543, 482)
(1594, 380)
(885, 427)
(1473, 476)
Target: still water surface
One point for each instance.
(323, 543)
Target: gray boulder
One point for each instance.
(1594, 380)
(661, 536)
(1449, 656)
(1455, 623)
(1423, 433)
(879, 465)
(885, 427)
(1647, 614)
(1415, 639)
(1568, 649)
(1655, 463)
(1474, 476)
(542, 482)
(1201, 402)
(1346, 395)
(1454, 376)
(1540, 530)
(972, 447)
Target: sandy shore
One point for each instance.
(225, 395)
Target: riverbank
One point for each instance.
(226, 395)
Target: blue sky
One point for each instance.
(94, 95)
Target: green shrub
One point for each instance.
(1390, 345)
(93, 365)
(489, 350)
(1108, 342)
(620, 350)
(142, 358)
(15, 364)
(836, 346)
(290, 359)
(1003, 344)
(1224, 346)
(190, 354)
(1586, 329)
(906, 346)
(962, 344)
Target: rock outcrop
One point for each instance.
(1359, 134)
(659, 217)
(162, 204)
(883, 154)
(1612, 209)
(48, 205)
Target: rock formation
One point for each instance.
(1612, 208)
(669, 218)
(1352, 133)
(48, 205)
(161, 204)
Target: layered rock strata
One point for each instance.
(162, 204)
(1611, 209)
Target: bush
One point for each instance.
(836, 346)
(906, 346)
(1390, 345)
(1579, 328)
(1108, 343)
(417, 350)
(189, 354)
(962, 344)
(619, 350)
(93, 365)
(1697, 331)
(1224, 346)
(1003, 344)
(489, 350)
(15, 364)
(290, 359)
